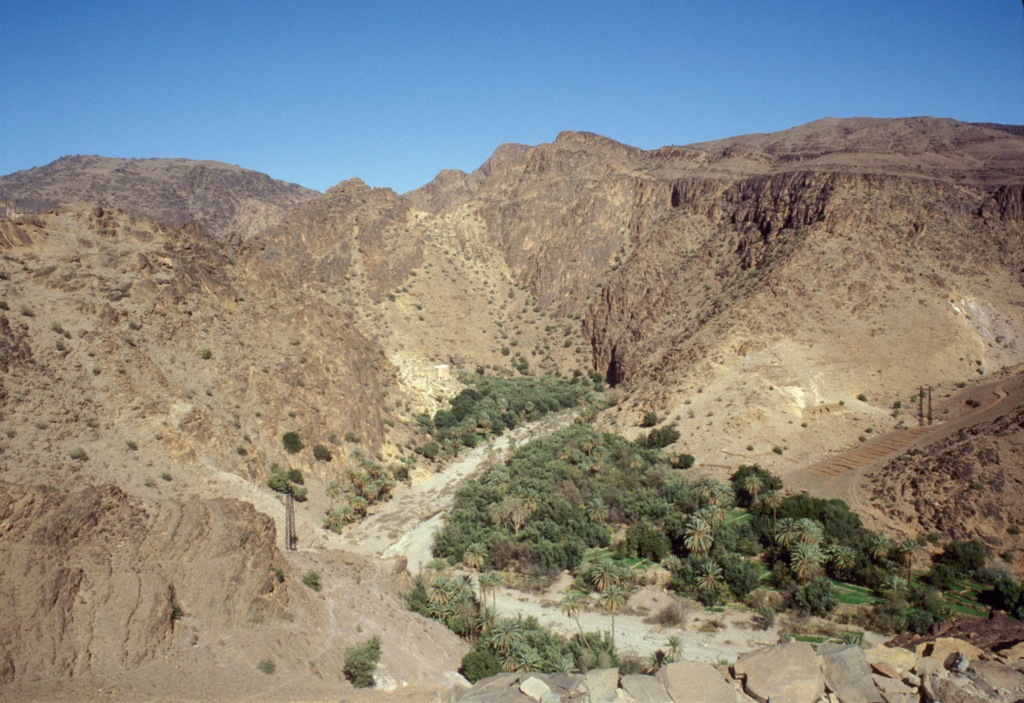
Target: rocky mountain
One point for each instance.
(164, 322)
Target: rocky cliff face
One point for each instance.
(100, 580)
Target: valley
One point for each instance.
(776, 299)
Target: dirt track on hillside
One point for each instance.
(846, 475)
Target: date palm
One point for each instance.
(805, 560)
(785, 532)
(752, 484)
(505, 634)
(879, 546)
(572, 606)
(333, 490)
(906, 549)
(613, 599)
(490, 581)
(698, 535)
(841, 558)
(474, 556)
(603, 574)
(709, 576)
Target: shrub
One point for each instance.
(862, 398)
(650, 419)
(659, 437)
(132, 445)
(430, 450)
(816, 598)
(206, 353)
(361, 661)
(267, 666)
(292, 442)
(78, 454)
(311, 579)
(322, 453)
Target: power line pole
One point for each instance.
(290, 538)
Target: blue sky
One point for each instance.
(393, 92)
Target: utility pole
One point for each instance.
(920, 406)
(929, 405)
(289, 522)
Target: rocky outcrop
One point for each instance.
(94, 582)
(228, 200)
(788, 672)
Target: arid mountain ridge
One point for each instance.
(168, 320)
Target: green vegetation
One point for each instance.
(311, 579)
(361, 662)
(322, 453)
(369, 483)
(288, 482)
(292, 442)
(78, 454)
(490, 405)
(267, 666)
(205, 353)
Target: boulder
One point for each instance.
(645, 689)
(494, 689)
(886, 670)
(895, 691)
(602, 685)
(902, 660)
(534, 688)
(695, 682)
(956, 688)
(943, 647)
(999, 676)
(786, 673)
(848, 674)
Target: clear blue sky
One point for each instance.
(393, 92)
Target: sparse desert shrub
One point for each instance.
(777, 449)
(267, 666)
(166, 475)
(862, 398)
(206, 353)
(322, 453)
(78, 454)
(292, 442)
(650, 419)
(132, 445)
(361, 662)
(311, 579)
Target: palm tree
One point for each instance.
(572, 605)
(597, 511)
(674, 645)
(752, 484)
(770, 500)
(895, 587)
(809, 531)
(879, 546)
(805, 560)
(613, 599)
(906, 549)
(658, 659)
(785, 532)
(841, 558)
(603, 573)
(672, 563)
(474, 556)
(505, 633)
(333, 490)
(490, 581)
(698, 535)
(709, 576)
(435, 568)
